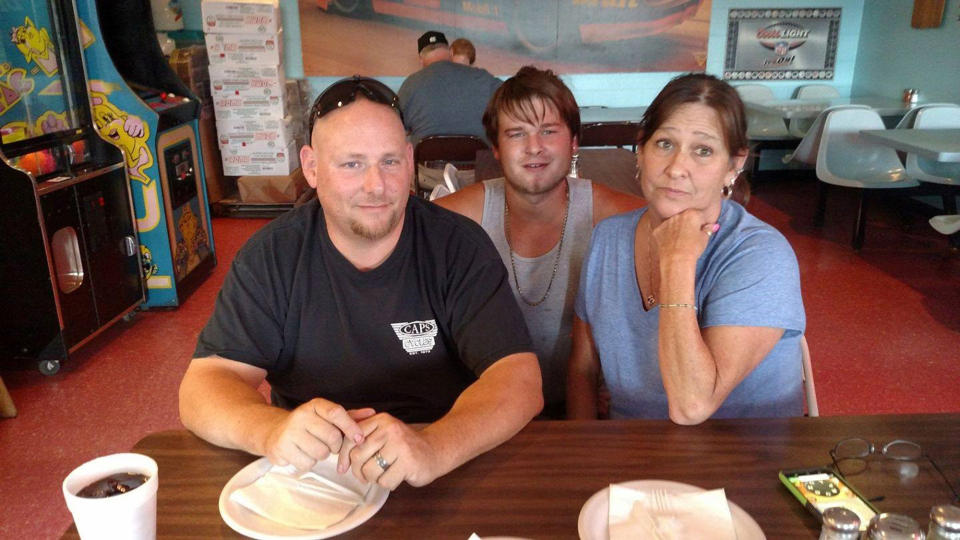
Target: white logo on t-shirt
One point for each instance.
(416, 336)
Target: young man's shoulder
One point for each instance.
(609, 202)
(466, 202)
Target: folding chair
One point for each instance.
(619, 134)
(435, 151)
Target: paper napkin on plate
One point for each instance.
(635, 514)
(305, 501)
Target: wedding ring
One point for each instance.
(381, 462)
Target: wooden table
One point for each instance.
(810, 108)
(614, 167)
(535, 484)
(935, 144)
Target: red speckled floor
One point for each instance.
(883, 328)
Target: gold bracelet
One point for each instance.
(680, 306)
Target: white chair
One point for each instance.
(907, 121)
(932, 171)
(800, 126)
(929, 170)
(809, 388)
(948, 225)
(762, 126)
(765, 131)
(806, 151)
(845, 159)
(813, 91)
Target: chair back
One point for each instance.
(755, 92)
(619, 134)
(806, 151)
(435, 151)
(761, 126)
(929, 170)
(812, 91)
(943, 117)
(800, 126)
(845, 159)
(907, 121)
(809, 388)
(449, 148)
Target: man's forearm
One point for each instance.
(223, 408)
(490, 411)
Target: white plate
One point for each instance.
(255, 526)
(592, 524)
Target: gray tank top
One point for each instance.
(550, 323)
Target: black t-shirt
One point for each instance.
(406, 337)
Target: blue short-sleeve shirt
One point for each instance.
(747, 276)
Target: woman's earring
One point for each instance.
(727, 189)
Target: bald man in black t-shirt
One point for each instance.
(364, 310)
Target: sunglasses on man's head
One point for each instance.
(345, 91)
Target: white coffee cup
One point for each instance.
(131, 515)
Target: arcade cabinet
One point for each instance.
(139, 102)
(69, 258)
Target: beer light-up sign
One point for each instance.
(781, 44)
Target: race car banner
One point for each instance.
(379, 37)
(781, 44)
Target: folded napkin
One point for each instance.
(306, 501)
(636, 514)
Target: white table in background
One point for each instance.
(589, 115)
(810, 108)
(935, 144)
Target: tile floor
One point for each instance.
(883, 328)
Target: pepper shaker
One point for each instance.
(944, 523)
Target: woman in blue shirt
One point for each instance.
(691, 306)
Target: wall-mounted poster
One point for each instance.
(379, 37)
(781, 44)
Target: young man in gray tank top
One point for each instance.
(539, 218)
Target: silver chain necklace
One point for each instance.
(556, 261)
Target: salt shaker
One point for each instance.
(840, 524)
(888, 526)
(944, 523)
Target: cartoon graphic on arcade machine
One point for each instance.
(126, 131)
(35, 45)
(149, 268)
(51, 122)
(14, 85)
(192, 241)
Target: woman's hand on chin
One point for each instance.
(683, 236)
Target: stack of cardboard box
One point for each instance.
(258, 120)
(190, 64)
